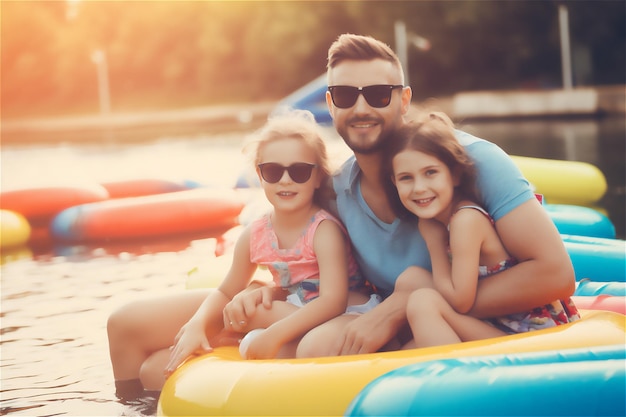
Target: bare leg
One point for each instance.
(139, 329)
(434, 322)
(151, 373)
(318, 342)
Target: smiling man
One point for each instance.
(367, 100)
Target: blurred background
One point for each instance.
(100, 91)
(173, 54)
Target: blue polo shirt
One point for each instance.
(384, 250)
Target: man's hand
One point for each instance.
(367, 333)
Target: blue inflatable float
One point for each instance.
(587, 287)
(597, 259)
(576, 382)
(311, 97)
(580, 221)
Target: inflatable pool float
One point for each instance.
(148, 216)
(564, 182)
(146, 186)
(311, 97)
(40, 204)
(14, 229)
(528, 384)
(597, 259)
(604, 302)
(580, 221)
(221, 383)
(588, 287)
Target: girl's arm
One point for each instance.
(207, 322)
(330, 248)
(456, 281)
(468, 229)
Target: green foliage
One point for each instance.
(180, 53)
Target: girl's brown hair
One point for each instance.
(433, 134)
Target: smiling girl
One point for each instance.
(304, 246)
(430, 177)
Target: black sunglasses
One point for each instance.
(300, 172)
(379, 96)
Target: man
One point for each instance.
(367, 101)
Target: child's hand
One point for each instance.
(238, 312)
(190, 339)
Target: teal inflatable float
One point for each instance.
(597, 259)
(577, 382)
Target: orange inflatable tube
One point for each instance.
(149, 216)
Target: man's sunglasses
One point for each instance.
(345, 96)
(300, 172)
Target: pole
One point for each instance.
(402, 48)
(566, 58)
(99, 58)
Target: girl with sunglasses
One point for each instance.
(304, 246)
(429, 175)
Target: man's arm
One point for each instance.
(544, 273)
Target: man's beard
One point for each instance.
(365, 149)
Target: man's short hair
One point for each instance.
(360, 48)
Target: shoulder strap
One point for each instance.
(482, 210)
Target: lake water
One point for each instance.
(55, 301)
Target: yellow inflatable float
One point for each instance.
(564, 182)
(222, 384)
(14, 229)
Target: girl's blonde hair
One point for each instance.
(300, 125)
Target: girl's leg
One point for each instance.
(139, 329)
(434, 322)
(266, 317)
(318, 341)
(151, 373)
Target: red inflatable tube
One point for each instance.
(147, 186)
(39, 204)
(148, 216)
